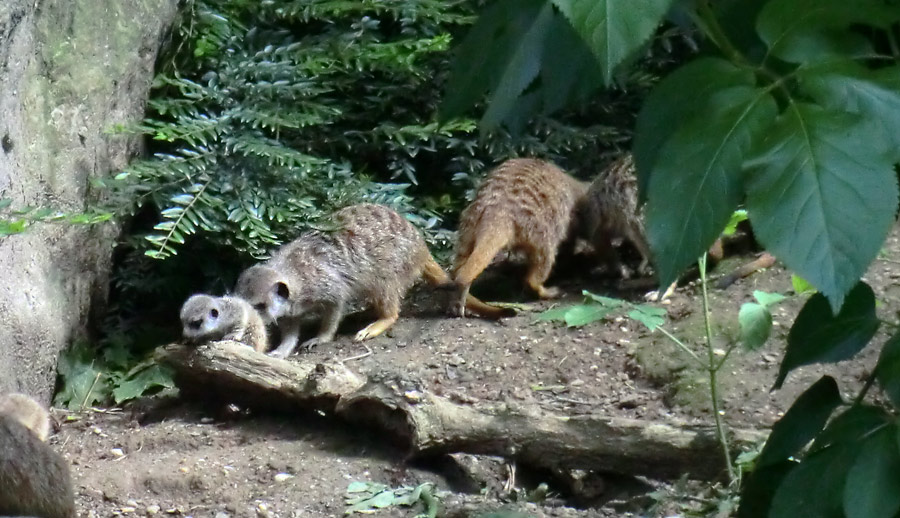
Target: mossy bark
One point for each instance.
(69, 71)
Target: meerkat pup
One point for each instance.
(523, 204)
(372, 257)
(206, 319)
(34, 479)
(28, 411)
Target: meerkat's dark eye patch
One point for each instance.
(260, 307)
(195, 324)
(214, 313)
(282, 290)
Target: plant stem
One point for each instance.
(713, 370)
(714, 31)
(683, 347)
(865, 390)
(892, 41)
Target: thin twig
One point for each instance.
(358, 356)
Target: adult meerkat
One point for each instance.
(34, 479)
(28, 411)
(610, 210)
(373, 256)
(523, 204)
(205, 319)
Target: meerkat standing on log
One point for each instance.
(206, 318)
(373, 256)
(34, 479)
(524, 204)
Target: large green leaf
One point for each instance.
(571, 80)
(681, 96)
(887, 370)
(760, 486)
(821, 195)
(527, 57)
(696, 183)
(803, 30)
(485, 52)
(522, 67)
(800, 424)
(815, 488)
(851, 425)
(820, 336)
(614, 29)
(874, 94)
(873, 483)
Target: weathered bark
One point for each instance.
(431, 424)
(69, 71)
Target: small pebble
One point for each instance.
(281, 477)
(152, 509)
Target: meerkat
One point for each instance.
(34, 479)
(523, 204)
(610, 211)
(206, 318)
(28, 411)
(372, 257)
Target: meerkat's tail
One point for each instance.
(437, 277)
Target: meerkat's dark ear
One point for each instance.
(282, 290)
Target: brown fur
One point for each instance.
(27, 411)
(523, 204)
(610, 211)
(206, 318)
(372, 257)
(34, 479)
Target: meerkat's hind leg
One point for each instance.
(376, 328)
(388, 311)
(540, 262)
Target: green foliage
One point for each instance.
(597, 307)
(801, 286)
(792, 109)
(755, 319)
(613, 30)
(736, 218)
(115, 377)
(819, 336)
(368, 497)
(16, 221)
(795, 132)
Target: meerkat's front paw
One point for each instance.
(279, 353)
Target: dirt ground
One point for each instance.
(200, 459)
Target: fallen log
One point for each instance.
(429, 424)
